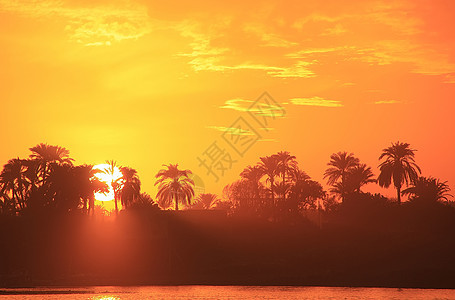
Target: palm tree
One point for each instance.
(340, 164)
(207, 200)
(241, 194)
(305, 193)
(5, 201)
(399, 166)
(100, 211)
(174, 185)
(303, 190)
(299, 175)
(111, 170)
(131, 186)
(163, 203)
(46, 154)
(97, 186)
(69, 188)
(286, 164)
(430, 189)
(88, 184)
(32, 174)
(145, 202)
(355, 178)
(269, 167)
(63, 192)
(13, 180)
(253, 174)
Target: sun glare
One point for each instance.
(108, 178)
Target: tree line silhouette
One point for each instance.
(275, 188)
(49, 181)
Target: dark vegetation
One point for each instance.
(274, 226)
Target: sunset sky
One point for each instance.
(148, 83)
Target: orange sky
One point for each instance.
(148, 83)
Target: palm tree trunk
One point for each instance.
(342, 188)
(85, 206)
(17, 199)
(399, 194)
(44, 173)
(257, 191)
(22, 197)
(176, 203)
(272, 190)
(91, 205)
(116, 206)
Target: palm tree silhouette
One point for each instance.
(32, 174)
(13, 181)
(359, 176)
(303, 190)
(115, 183)
(429, 189)
(253, 174)
(145, 202)
(355, 178)
(131, 189)
(299, 175)
(207, 200)
(269, 167)
(5, 203)
(340, 164)
(70, 188)
(242, 194)
(399, 166)
(286, 164)
(88, 185)
(305, 193)
(174, 185)
(63, 193)
(46, 154)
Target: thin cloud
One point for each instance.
(268, 39)
(207, 57)
(261, 109)
(387, 102)
(449, 78)
(299, 70)
(201, 44)
(316, 101)
(316, 17)
(237, 104)
(336, 30)
(232, 130)
(92, 26)
(398, 46)
(421, 59)
(211, 63)
(311, 51)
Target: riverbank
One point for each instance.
(210, 248)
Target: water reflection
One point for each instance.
(105, 298)
(225, 292)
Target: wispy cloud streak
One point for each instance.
(316, 101)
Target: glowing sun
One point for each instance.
(106, 176)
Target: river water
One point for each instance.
(223, 292)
